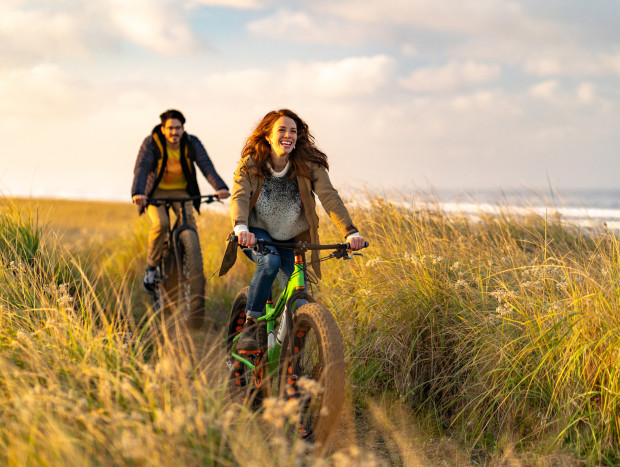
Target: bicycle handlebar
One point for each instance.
(299, 245)
(204, 199)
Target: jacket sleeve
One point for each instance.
(331, 200)
(144, 165)
(241, 195)
(206, 166)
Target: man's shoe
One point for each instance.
(151, 276)
(247, 340)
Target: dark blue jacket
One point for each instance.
(152, 159)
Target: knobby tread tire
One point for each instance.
(191, 288)
(331, 369)
(168, 286)
(241, 383)
(237, 309)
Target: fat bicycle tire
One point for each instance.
(165, 298)
(246, 386)
(191, 291)
(319, 357)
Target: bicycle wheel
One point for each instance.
(191, 278)
(166, 294)
(318, 364)
(246, 386)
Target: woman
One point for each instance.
(273, 199)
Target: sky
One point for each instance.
(400, 94)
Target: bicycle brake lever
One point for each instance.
(261, 249)
(340, 253)
(351, 255)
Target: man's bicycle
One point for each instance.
(300, 349)
(181, 282)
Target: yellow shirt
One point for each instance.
(173, 178)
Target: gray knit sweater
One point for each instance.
(278, 209)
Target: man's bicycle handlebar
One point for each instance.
(203, 199)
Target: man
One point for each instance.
(166, 168)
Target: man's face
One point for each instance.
(172, 130)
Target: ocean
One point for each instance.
(588, 208)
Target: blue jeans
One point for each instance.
(280, 264)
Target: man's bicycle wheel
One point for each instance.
(318, 366)
(191, 278)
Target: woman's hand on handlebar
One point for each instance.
(357, 243)
(247, 239)
(140, 200)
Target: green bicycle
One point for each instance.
(300, 345)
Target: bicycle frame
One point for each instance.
(295, 290)
(171, 258)
(181, 223)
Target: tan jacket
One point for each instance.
(247, 186)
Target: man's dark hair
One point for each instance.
(171, 113)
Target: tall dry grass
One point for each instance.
(87, 377)
(502, 332)
(491, 341)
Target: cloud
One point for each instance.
(337, 79)
(466, 138)
(468, 17)
(355, 76)
(543, 66)
(545, 90)
(451, 76)
(88, 112)
(238, 4)
(490, 105)
(157, 25)
(303, 26)
(510, 32)
(573, 61)
(40, 31)
(66, 29)
(41, 91)
(586, 93)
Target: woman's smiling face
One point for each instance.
(283, 136)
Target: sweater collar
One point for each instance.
(280, 174)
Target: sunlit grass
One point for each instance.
(489, 341)
(82, 384)
(505, 329)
